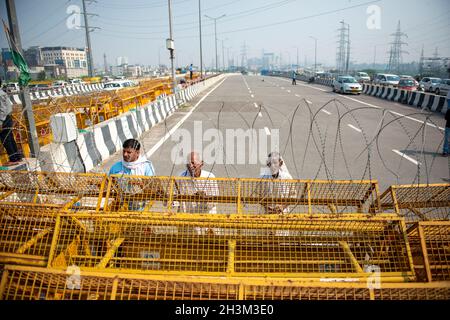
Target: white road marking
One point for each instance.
(267, 131)
(309, 102)
(289, 91)
(256, 105)
(260, 114)
(297, 95)
(374, 106)
(327, 112)
(175, 127)
(282, 88)
(354, 128)
(252, 96)
(406, 157)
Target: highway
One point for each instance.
(322, 135)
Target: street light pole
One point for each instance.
(315, 54)
(200, 31)
(215, 35)
(33, 141)
(170, 46)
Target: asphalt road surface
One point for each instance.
(320, 134)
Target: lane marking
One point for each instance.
(374, 106)
(267, 131)
(175, 127)
(256, 105)
(309, 102)
(297, 95)
(354, 128)
(252, 96)
(406, 157)
(327, 112)
(289, 91)
(260, 114)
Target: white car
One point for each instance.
(117, 84)
(386, 79)
(362, 77)
(12, 87)
(346, 84)
(443, 88)
(429, 84)
(59, 84)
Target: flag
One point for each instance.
(18, 59)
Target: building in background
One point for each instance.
(73, 60)
(33, 57)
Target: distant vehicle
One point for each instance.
(362, 77)
(59, 84)
(12, 87)
(443, 87)
(117, 84)
(346, 84)
(39, 87)
(407, 84)
(76, 81)
(386, 79)
(429, 84)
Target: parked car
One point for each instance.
(346, 84)
(117, 84)
(362, 77)
(12, 87)
(407, 84)
(443, 87)
(59, 84)
(430, 84)
(386, 79)
(76, 81)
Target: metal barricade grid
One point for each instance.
(222, 244)
(418, 202)
(430, 245)
(28, 283)
(52, 190)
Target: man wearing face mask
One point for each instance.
(275, 170)
(199, 188)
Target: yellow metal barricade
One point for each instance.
(29, 283)
(430, 245)
(418, 202)
(235, 245)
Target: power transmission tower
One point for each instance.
(105, 63)
(90, 59)
(343, 50)
(395, 54)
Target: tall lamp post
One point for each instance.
(315, 54)
(215, 34)
(200, 32)
(171, 47)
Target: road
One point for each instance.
(321, 134)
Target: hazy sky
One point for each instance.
(138, 28)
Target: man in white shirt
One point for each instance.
(200, 187)
(276, 170)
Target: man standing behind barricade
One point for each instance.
(198, 188)
(191, 71)
(294, 78)
(133, 164)
(6, 134)
(275, 170)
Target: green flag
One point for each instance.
(18, 59)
